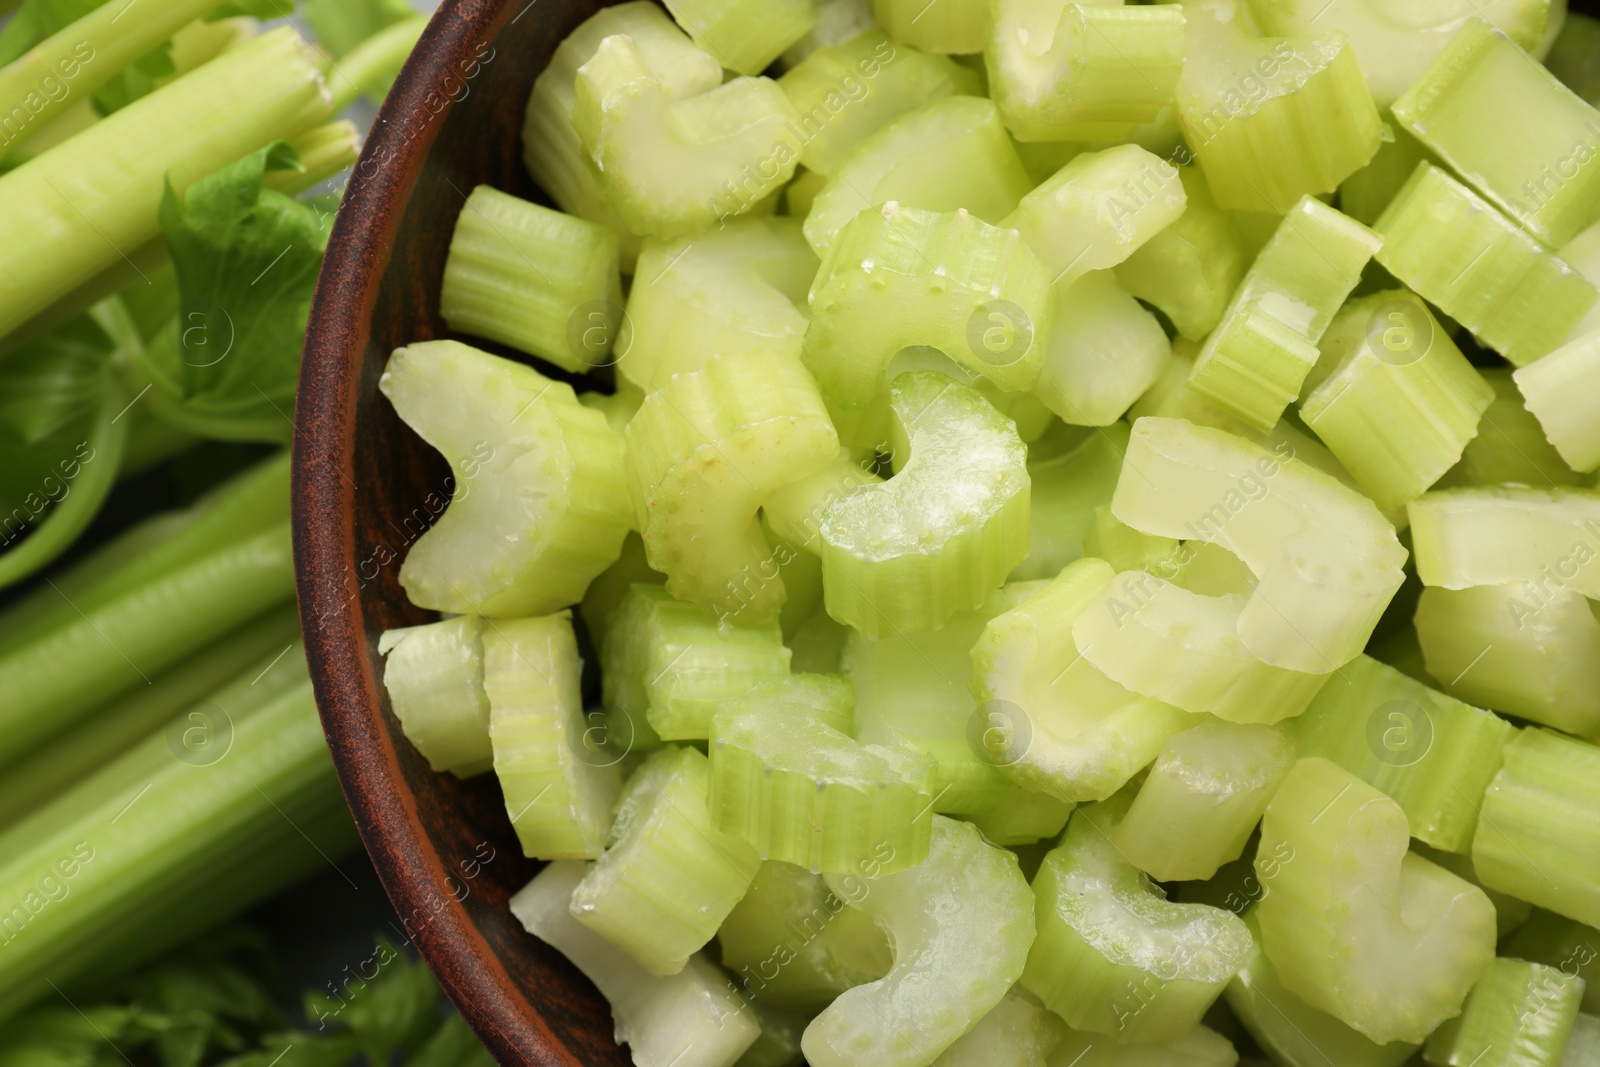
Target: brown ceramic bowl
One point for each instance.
(364, 489)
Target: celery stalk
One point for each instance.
(952, 27)
(370, 67)
(1557, 391)
(1519, 1014)
(1105, 351)
(1559, 942)
(1064, 492)
(434, 677)
(745, 35)
(1509, 534)
(1510, 446)
(1200, 1047)
(1017, 1032)
(1022, 817)
(1510, 913)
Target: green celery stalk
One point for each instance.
(1519, 1015)
(1563, 943)
(371, 66)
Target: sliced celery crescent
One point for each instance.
(694, 1018)
(1056, 724)
(1504, 534)
(673, 166)
(434, 677)
(1113, 955)
(943, 533)
(540, 501)
(1520, 1013)
(703, 453)
(745, 35)
(1379, 938)
(1326, 561)
(1560, 392)
(1080, 72)
(1017, 1032)
(960, 923)
(558, 791)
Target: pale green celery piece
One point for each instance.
(897, 277)
(912, 691)
(1510, 446)
(666, 663)
(1066, 489)
(818, 644)
(1499, 535)
(1175, 645)
(434, 677)
(948, 154)
(527, 276)
(1104, 352)
(1583, 1044)
(845, 93)
(954, 28)
(794, 511)
(779, 1043)
(1432, 754)
(1022, 817)
(1272, 119)
(731, 291)
(745, 35)
(1366, 193)
(1454, 249)
(674, 166)
(1202, 799)
(1539, 835)
(619, 407)
(960, 924)
(1326, 560)
(1200, 1047)
(943, 533)
(1113, 955)
(668, 877)
(606, 591)
(1395, 43)
(694, 1018)
(1127, 549)
(1521, 649)
(1292, 1032)
(558, 789)
(1532, 160)
(1560, 392)
(1509, 912)
(1024, 409)
(1570, 947)
(786, 779)
(550, 146)
(1191, 268)
(540, 503)
(1017, 1032)
(1098, 210)
(1377, 937)
(1253, 365)
(838, 22)
(791, 942)
(703, 453)
(1399, 407)
(1082, 72)
(1518, 1015)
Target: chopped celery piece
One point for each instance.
(1113, 955)
(1023, 817)
(1377, 937)
(728, 292)
(794, 511)
(1570, 947)
(1366, 193)
(1509, 912)
(960, 923)
(897, 277)
(1583, 1044)
(558, 790)
(1503, 534)
(944, 532)
(1292, 1032)
(551, 149)
(1191, 268)
(1272, 119)
(1326, 561)
(792, 942)
(667, 663)
(1055, 723)
(532, 278)
(1082, 72)
(1462, 255)
(745, 35)
(540, 504)
(1510, 446)
(694, 1018)
(1518, 1015)
(1017, 1032)
(434, 676)
(1169, 643)
(1064, 494)
(785, 778)
(667, 877)
(1098, 210)
(1516, 155)
(1104, 351)
(1200, 1047)
(1202, 799)
(670, 165)
(1394, 43)
(703, 453)
(1399, 406)
(952, 27)
(1253, 365)
(1526, 650)
(606, 591)
(1560, 392)
(1539, 835)
(951, 153)
(846, 92)
(838, 22)
(1434, 755)
(1127, 549)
